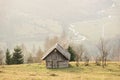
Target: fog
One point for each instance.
(29, 22)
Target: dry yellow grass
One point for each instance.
(39, 72)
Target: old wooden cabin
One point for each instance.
(57, 57)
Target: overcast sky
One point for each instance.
(31, 21)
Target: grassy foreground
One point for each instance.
(39, 72)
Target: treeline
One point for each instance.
(20, 55)
(104, 50)
(109, 50)
(15, 58)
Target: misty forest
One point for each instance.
(81, 49)
(54, 39)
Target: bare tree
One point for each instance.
(62, 40)
(115, 53)
(119, 52)
(30, 58)
(25, 52)
(116, 49)
(103, 51)
(97, 60)
(86, 59)
(50, 42)
(79, 50)
(1, 57)
(39, 55)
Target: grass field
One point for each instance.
(39, 72)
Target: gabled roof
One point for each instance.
(60, 49)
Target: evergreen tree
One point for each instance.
(17, 57)
(71, 51)
(8, 57)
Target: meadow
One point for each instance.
(39, 72)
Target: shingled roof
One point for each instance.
(60, 49)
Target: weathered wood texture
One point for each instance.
(57, 57)
(56, 60)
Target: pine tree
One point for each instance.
(17, 57)
(8, 57)
(71, 51)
